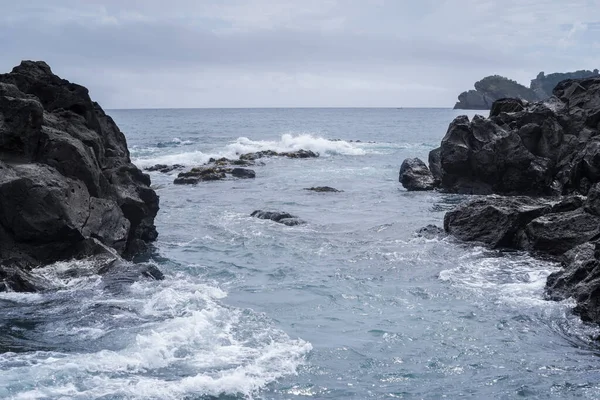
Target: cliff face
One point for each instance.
(543, 85)
(490, 89)
(68, 188)
(496, 87)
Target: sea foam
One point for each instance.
(242, 145)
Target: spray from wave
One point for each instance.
(167, 342)
(286, 143)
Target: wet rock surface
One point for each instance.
(278, 216)
(546, 150)
(65, 177)
(415, 176)
(204, 174)
(323, 189)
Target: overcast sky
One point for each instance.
(294, 53)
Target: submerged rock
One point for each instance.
(431, 232)
(414, 175)
(66, 176)
(243, 173)
(323, 189)
(277, 216)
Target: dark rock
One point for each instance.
(270, 153)
(570, 203)
(414, 175)
(579, 278)
(323, 189)
(592, 203)
(482, 157)
(435, 165)
(66, 178)
(557, 233)
(199, 174)
(243, 173)
(277, 216)
(509, 105)
(431, 232)
(164, 168)
(118, 274)
(15, 277)
(495, 221)
(204, 174)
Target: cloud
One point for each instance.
(285, 52)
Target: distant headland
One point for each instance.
(494, 87)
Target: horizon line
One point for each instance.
(276, 107)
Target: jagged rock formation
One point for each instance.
(543, 85)
(543, 148)
(495, 87)
(67, 185)
(548, 148)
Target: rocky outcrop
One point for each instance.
(490, 89)
(549, 148)
(543, 84)
(270, 153)
(495, 87)
(67, 185)
(204, 174)
(544, 148)
(415, 176)
(278, 216)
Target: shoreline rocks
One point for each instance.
(68, 188)
(539, 165)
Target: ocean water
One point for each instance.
(351, 305)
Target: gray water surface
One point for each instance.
(351, 305)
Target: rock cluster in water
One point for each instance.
(542, 163)
(223, 168)
(68, 188)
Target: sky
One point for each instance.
(296, 53)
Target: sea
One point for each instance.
(353, 304)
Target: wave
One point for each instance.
(242, 145)
(175, 142)
(182, 327)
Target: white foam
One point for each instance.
(243, 145)
(214, 349)
(514, 278)
(289, 142)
